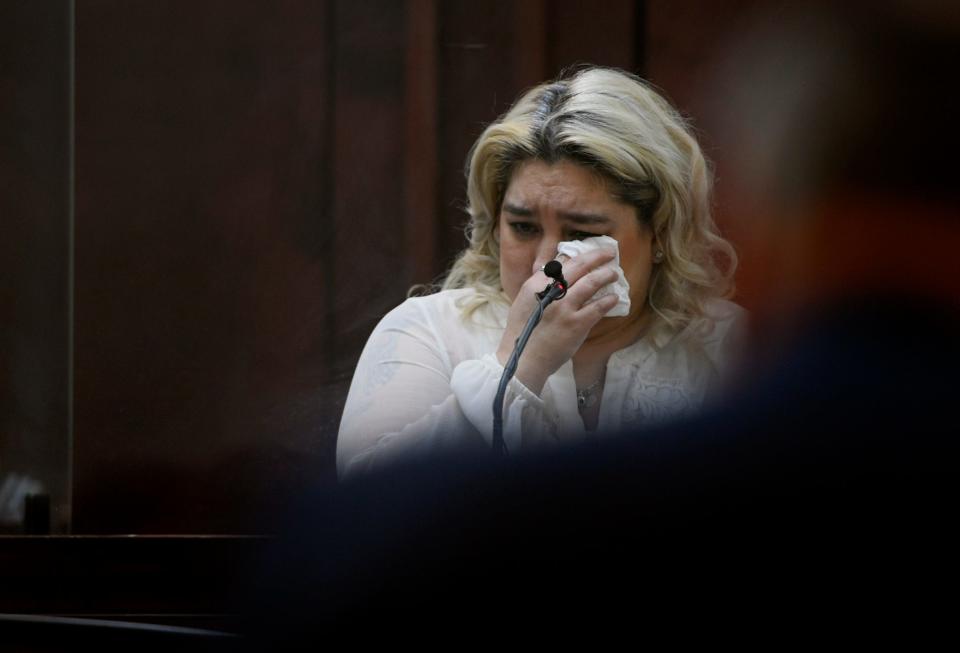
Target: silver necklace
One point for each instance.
(587, 397)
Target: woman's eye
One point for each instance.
(524, 228)
(581, 235)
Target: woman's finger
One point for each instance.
(533, 285)
(588, 285)
(583, 264)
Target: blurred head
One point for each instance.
(838, 150)
(608, 126)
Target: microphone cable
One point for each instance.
(555, 290)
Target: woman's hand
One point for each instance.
(565, 322)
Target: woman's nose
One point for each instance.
(546, 252)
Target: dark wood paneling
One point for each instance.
(580, 34)
(421, 143)
(367, 174)
(34, 252)
(685, 47)
(201, 244)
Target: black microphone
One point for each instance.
(556, 290)
(554, 270)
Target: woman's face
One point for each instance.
(547, 203)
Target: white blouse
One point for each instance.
(427, 378)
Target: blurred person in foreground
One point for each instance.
(816, 504)
(836, 128)
(600, 172)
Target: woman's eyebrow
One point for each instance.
(584, 218)
(520, 211)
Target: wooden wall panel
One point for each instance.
(583, 32)
(202, 247)
(367, 174)
(421, 141)
(34, 255)
(685, 46)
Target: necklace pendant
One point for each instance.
(585, 399)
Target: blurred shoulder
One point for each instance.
(725, 314)
(726, 330)
(439, 309)
(438, 303)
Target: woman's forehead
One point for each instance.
(563, 183)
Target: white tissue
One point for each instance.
(620, 287)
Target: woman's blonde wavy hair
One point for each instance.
(617, 125)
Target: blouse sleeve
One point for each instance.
(409, 400)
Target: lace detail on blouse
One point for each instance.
(650, 401)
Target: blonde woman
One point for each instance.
(598, 153)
